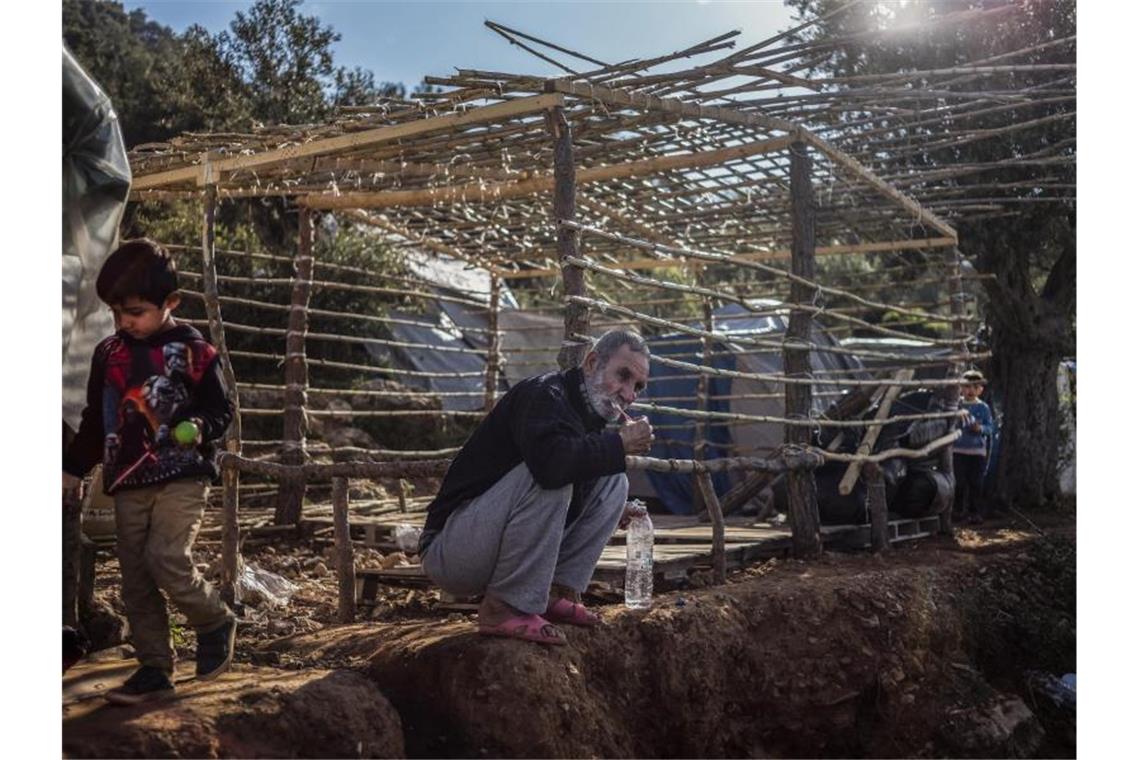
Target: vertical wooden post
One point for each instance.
(402, 494)
(491, 383)
(951, 392)
(576, 317)
(876, 505)
(72, 558)
(292, 493)
(803, 509)
(704, 482)
(703, 383)
(342, 539)
(230, 475)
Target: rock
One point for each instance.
(1003, 727)
(280, 628)
(249, 712)
(392, 560)
(103, 627)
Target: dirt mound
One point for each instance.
(928, 650)
(916, 653)
(249, 712)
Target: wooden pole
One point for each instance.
(951, 392)
(292, 492)
(803, 509)
(345, 569)
(72, 559)
(704, 482)
(230, 477)
(699, 428)
(576, 316)
(492, 380)
(876, 505)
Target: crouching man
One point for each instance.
(535, 493)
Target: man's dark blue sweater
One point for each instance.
(545, 421)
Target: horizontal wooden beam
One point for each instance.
(827, 250)
(491, 192)
(210, 170)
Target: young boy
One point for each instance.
(155, 399)
(970, 451)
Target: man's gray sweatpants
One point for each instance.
(512, 541)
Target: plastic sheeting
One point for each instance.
(675, 491)
(96, 180)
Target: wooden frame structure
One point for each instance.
(643, 182)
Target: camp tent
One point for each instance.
(760, 320)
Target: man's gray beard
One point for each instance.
(606, 407)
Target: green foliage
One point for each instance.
(273, 66)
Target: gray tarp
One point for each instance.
(96, 180)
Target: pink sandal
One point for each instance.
(563, 610)
(527, 627)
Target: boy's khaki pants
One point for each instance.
(156, 527)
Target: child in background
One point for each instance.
(155, 399)
(972, 449)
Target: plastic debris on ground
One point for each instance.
(257, 586)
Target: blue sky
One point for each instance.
(403, 41)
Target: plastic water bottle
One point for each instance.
(639, 558)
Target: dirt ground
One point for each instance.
(928, 650)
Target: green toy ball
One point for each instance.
(186, 433)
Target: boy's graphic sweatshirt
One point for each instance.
(138, 391)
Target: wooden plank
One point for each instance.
(353, 141)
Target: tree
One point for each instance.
(1030, 311)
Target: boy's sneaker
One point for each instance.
(146, 683)
(216, 650)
